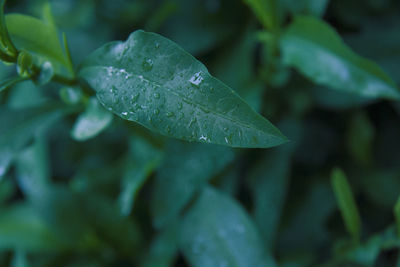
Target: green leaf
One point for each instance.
(33, 170)
(396, 212)
(182, 175)
(150, 80)
(41, 39)
(307, 7)
(6, 45)
(346, 203)
(163, 249)
(141, 162)
(22, 228)
(20, 126)
(361, 134)
(217, 231)
(267, 12)
(306, 228)
(93, 121)
(4, 85)
(269, 181)
(317, 51)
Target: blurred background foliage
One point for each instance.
(129, 197)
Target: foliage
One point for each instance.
(156, 150)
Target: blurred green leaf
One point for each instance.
(199, 26)
(182, 175)
(305, 228)
(142, 161)
(8, 52)
(19, 127)
(92, 121)
(20, 260)
(22, 228)
(360, 136)
(307, 7)
(347, 205)
(317, 51)
(33, 169)
(267, 12)
(396, 212)
(136, 80)
(269, 181)
(240, 56)
(163, 248)
(216, 231)
(5, 84)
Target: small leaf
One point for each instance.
(4, 85)
(6, 45)
(316, 8)
(396, 212)
(142, 161)
(33, 170)
(182, 175)
(216, 231)
(151, 80)
(267, 12)
(18, 127)
(163, 249)
(317, 51)
(22, 228)
(346, 203)
(37, 37)
(361, 134)
(93, 121)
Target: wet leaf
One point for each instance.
(150, 80)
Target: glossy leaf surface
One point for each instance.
(317, 51)
(151, 80)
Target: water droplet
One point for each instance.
(169, 114)
(226, 129)
(196, 79)
(156, 111)
(147, 64)
(134, 98)
(228, 139)
(124, 113)
(157, 45)
(203, 138)
(156, 95)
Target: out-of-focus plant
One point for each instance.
(133, 154)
